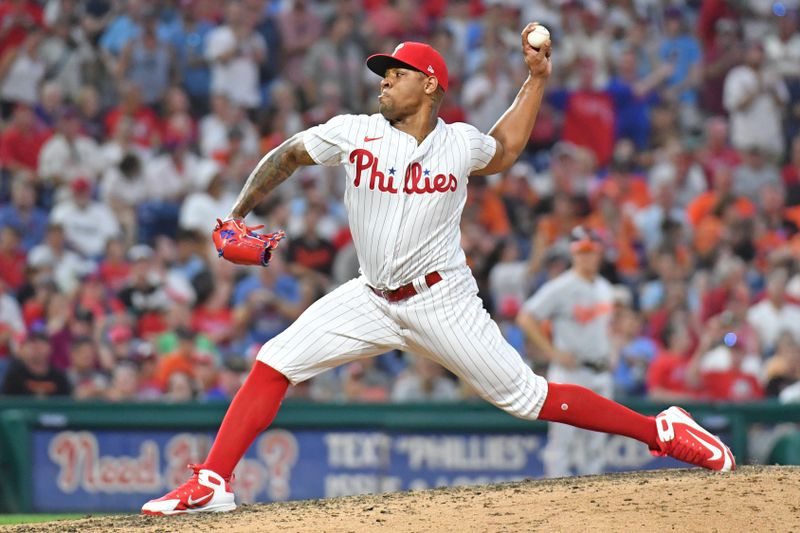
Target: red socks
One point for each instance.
(251, 411)
(256, 404)
(580, 407)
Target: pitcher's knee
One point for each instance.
(523, 398)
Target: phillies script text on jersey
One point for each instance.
(414, 182)
(403, 197)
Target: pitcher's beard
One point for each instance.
(387, 110)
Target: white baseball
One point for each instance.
(538, 36)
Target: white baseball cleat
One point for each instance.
(679, 436)
(205, 492)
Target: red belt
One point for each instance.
(408, 290)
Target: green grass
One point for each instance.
(8, 519)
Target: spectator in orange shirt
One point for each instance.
(704, 204)
(553, 227)
(629, 187)
(485, 206)
(181, 360)
(617, 229)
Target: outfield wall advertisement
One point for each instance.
(118, 470)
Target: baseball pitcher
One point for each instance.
(407, 175)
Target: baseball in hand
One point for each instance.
(538, 36)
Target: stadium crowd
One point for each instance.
(128, 126)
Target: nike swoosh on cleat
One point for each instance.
(199, 500)
(368, 139)
(715, 452)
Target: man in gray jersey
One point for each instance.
(578, 304)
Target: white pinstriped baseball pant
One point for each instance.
(445, 323)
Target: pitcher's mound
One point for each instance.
(750, 499)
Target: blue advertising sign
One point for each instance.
(118, 470)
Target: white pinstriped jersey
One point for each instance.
(404, 200)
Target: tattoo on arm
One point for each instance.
(271, 171)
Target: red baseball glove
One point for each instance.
(240, 244)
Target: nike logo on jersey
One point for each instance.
(715, 452)
(369, 139)
(199, 500)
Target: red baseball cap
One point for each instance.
(583, 239)
(81, 185)
(419, 56)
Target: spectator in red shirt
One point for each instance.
(21, 141)
(119, 346)
(398, 18)
(721, 55)
(589, 119)
(214, 317)
(39, 293)
(726, 381)
(717, 152)
(17, 19)
(730, 273)
(666, 377)
(711, 12)
(146, 125)
(791, 173)
(94, 296)
(12, 258)
(674, 302)
(115, 269)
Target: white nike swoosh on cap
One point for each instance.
(195, 502)
(715, 452)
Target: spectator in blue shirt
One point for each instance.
(23, 215)
(124, 28)
(187, 35)
(636, 352)
(681, 49)
(633, 95)
(266, 302)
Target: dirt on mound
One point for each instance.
(750, 499)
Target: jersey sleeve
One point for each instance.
(544, 302)
(481, 147)
(326, 143)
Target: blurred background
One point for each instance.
(670, 128)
